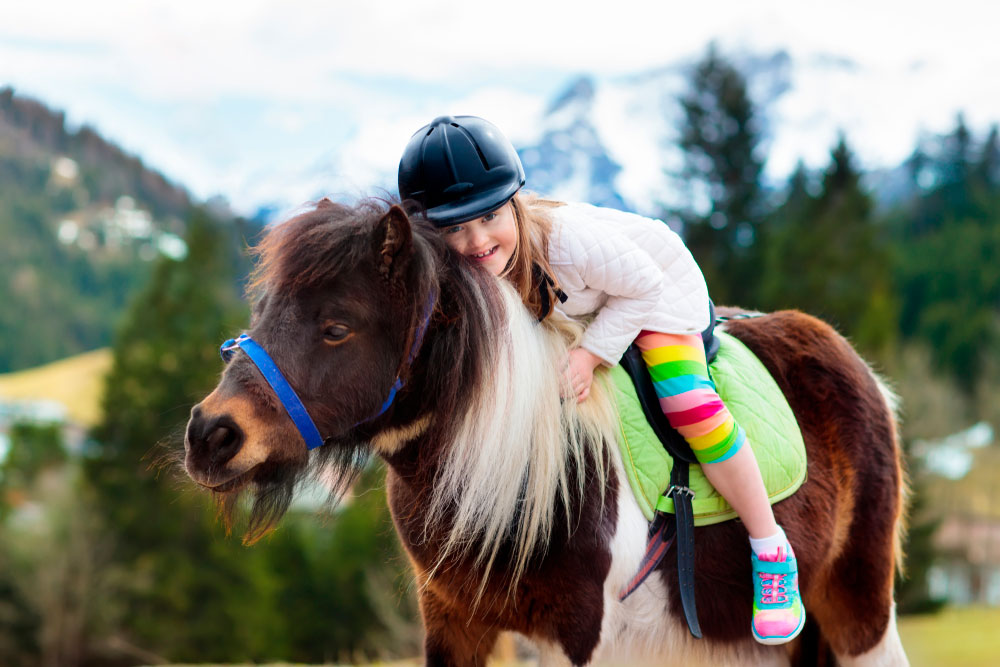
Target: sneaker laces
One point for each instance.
(773, 585)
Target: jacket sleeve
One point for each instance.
(609, 261)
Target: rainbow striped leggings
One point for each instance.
(688, 396)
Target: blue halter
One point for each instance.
(291, 401)
(293, 405)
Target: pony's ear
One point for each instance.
(394, 240)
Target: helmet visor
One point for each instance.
(470, 208)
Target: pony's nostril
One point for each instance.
(213, 441)
(223, 441)
(218, 437)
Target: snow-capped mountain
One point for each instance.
(604, 141)
(570, 161)
(612, 140)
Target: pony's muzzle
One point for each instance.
(211, 441)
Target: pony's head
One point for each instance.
(338, 294)
(343, 295)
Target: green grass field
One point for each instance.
(968, 637)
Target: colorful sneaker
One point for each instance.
(778, 615)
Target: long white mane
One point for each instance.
(518, 444)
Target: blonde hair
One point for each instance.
(531, 216)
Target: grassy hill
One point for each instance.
(82, 223)
(76, 382)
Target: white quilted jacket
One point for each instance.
(633, 272)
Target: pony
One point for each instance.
(512, 505)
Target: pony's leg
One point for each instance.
(453, 638)
(852, 602)
(887, 653)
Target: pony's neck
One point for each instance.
(500, 451)
(453, 369)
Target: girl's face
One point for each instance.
(489, 241)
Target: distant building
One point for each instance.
(968, 572)
(13, 411)
(961, 480)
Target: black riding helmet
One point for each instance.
(459, 168)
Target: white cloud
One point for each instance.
(220, 94)
(177, 48)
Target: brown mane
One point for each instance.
(313, 247)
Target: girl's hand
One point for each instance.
(579, 373)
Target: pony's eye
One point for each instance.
(336, 333)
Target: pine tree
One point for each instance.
(19, 622)
(827, 256)
(165, 359)
(33, 447)
(948, 242)
(986, 176)
(987, 169)
(950, 179)
(957, 188)
(178, 582)
(720, 135)
(798, 199)
(950, 287)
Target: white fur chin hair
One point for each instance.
(509, 461)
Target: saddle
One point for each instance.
(653, 451)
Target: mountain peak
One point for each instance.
(579, 93)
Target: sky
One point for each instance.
(247, 99)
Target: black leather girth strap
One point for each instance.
(682, 495)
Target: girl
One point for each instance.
(639, 281)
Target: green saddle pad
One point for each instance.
(756, 403)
